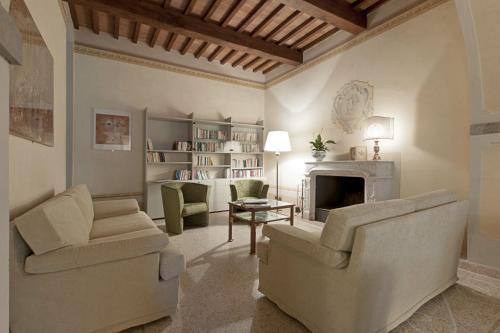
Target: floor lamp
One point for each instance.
(277, 142)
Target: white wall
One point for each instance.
(104, 83)
(418, 70)
(38, 171)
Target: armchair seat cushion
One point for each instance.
(172, 262)
(194, 208)
(121, 225)
(98, 251)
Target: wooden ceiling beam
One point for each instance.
(213, 7)
(187, 45)
(191, 26)
(251, 63)
(319, 39)
(95, 21)
(215, 53)
(166, 3)
(271, 68)
(154, 38)
(252, 15)
(137, 32)
(374, 6)
(268, 20)
(116, 30)
(356, 3)
(336, 12)
(170, 41)
(308, 35)
(279, 28)
(297, 30)
(262, 65)
(74, 14)
(228, 57)
(240, 60)
(235, 8)
(189, 8)
(201, 50)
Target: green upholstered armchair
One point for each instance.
(184, 203)
(248, 188)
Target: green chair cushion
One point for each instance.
(194, 208)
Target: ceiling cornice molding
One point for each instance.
(360, 38)
(156, 64)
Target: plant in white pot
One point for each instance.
(319, 147)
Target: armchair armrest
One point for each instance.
(98, 251)
(234, 192)
(305, 242)
(194, 192)
(111, 208)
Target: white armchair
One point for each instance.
(371, 267)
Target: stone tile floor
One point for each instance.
(219, 292)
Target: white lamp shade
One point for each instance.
(277, 141)
(377, 127)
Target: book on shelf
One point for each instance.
(156, 157)
(204, 160)
(201, 174)
(183, 146)
(246, 163)
(182, 174)
(250, 148)
(201, 133)
(245, 136)
(150, 144)
(247, 173)
(209, 147)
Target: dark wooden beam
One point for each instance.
(268, 20)
(116, 30)
(154, 38)
(74, 15)
(279, 28)
(271, 68)
(356, 3)
(228, 57)
(151, 14)
(95, 21)
(262, 65)
(252, 15)
(235, 8)
(240, 60)
(374, 6)
(308, 35)
(215, 53)
(336, 12)
(320, 38)
(189, 8)
(213, 7)
(201, 50)
(297, 30)
(166, 3)
(251, 63)
(137, 32)
(170, 41)
(187, 45)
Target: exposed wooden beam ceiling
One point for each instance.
(298, 29)
(194, 28)
(271, 68)
(116, 29)
(280, 27)
(251, 63)
(95, 21)
(154, 37)
(228, 56)
(268, 20)
(336, 12)
(240, 60)
(215, 53)
(74, 16)
(309, 34)
(201, 50)
(232, 12)
(137, 32)
(262, 65)
(170, 41)
(252, 15)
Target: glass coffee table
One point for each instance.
(255, 215)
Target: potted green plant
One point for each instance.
(319, 147)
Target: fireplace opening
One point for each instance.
(335, 192)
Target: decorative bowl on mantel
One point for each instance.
(318, 155)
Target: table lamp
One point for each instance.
(277, 142)
(377, 128)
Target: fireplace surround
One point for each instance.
(335, 184)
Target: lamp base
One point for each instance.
(376, 149)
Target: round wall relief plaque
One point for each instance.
(353, 104)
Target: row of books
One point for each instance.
(201, 174)
(250, 148)
(209, 146)
(246, 163)
(247, 173)
(204, 160)
(155, 157)
(182, 174)
(183, 145)
(201, 133)
(244, 136)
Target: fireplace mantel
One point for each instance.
(379, 178)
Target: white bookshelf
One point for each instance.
(221, 151)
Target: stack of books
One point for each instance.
(255, 203)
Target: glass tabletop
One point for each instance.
(261, 217)
(270, 204)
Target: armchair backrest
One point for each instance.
(248, 188)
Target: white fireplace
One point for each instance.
(334, 184)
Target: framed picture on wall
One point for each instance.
(112, 129)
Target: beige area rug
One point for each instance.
(219, 293)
